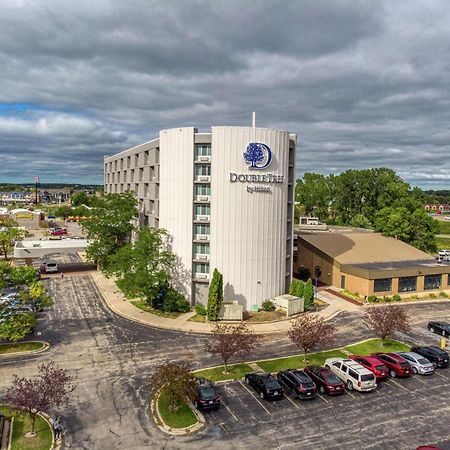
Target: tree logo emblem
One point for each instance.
(258, 156)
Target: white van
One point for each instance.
(352, 374)
(50, 266)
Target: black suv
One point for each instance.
(265, 385)
(206, 396)
(442, 328)
(296, 382)
(434, 354)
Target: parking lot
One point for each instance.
(399, 414)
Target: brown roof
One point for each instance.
(352, 248)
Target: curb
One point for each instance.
(28, 352)
(175, 431)
(56, 444)
(406, 303)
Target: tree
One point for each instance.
(215, 296)
(81, 198)
(360, 221)
(296, 288)
(387, 321)
(16, 326)
(308, 294)
(9, 234)
(36, 293)
(63, 211)
(110, 226)
(313, 193)
(49, 389)
(177, 381)
(309, 331)
(23, 275)
(5, 271)
(254, 154)
(143, 268)
(231, 341)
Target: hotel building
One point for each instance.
(226, 198)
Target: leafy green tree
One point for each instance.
(296, 288)
(63, 211)
(5, 271)
(110, 227)
(215, 296)
(423, 231)
(22, 275)
(81, 198)
(15, 327)
(360, 221)
(143, 268)
(37, 292)
(308, 294)
(9, 234)
(313, 193)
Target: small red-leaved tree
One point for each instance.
(177, 380)
(228, 341)
(48, 390)
(387, 321)
(309, 331)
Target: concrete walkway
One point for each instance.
(122, 306)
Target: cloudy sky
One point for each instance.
(363, 83)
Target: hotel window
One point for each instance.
(203, 170)
(128, 162)
(432, 282)
(201, 249)
(146, 158)
(407, 284)
(202, 189)
(121, 164)
(141, 174)
(201, 268)
(200, 228)
(203, 150)
(382, 285)
(202, 210)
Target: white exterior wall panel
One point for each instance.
(248, 230)
(176, 197)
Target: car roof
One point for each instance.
(411, 354)
(372, 359)
(356, 367)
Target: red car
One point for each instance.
(325, 380)
(397, 365)
(375, 365)
(58, 232)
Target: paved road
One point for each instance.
(112, 357)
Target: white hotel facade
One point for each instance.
(225, 197)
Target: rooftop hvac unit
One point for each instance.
(204, 218)
(204, 199)
(203, 178)
(202, 256)
(203, 158)
(202, 237)
(202, 276)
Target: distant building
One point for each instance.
(434, 207)
(370, 263)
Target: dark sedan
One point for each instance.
(441, 328)
(434, 354)
(206, 396)
(265, 385)
(325, 380)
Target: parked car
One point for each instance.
(444, 252)
(325, 380)
(265, 384)
(298, 383)
(58, 231)
(434, 354)
(375, 365)
(50, 266)
(352, 374)
(206, 396)
(442, 328)
(398, 366)
(418, 363)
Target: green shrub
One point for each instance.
(268, 305)
(174, 301)
(414, 297)
(387, 299)
(183, 305)
(303, 273)
(308, 294)
(443, 294)
(200, 309)
(396, 298)
(372, 299)
(432, 295)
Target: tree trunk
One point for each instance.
(33, 421)
(225, 361)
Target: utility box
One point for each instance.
(291, 304)
(231, 311)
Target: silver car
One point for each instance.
(418, 363)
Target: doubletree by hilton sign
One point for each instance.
(258, 156)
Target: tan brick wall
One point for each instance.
(356, 284)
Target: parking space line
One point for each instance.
(251, 393)
(323, 398)
(351, 395)
(397, 384)
(292, 401)
(229, 410)
(441, 376)
(415, 377)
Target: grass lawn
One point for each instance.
(266, 316)
(22, 425)
(197, 318)
(20, 347)
(141, 304)
(235, 372)
(298, 362)
(374, 345)
(443, 243)
(444, 226)
(181, 418)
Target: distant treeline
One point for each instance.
(438, 196)
(17, 187)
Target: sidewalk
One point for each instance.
(121, 306)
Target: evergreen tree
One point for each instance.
(215, 296)
(296, 288)
(308, 294)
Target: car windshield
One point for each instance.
(333, 379)
(367, 377)
(404, 364)
(208, 393)
(423, 361)
(271, 383)
(381, 367)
